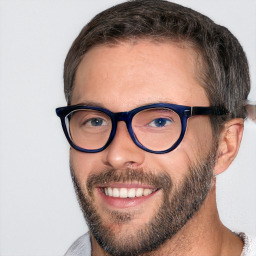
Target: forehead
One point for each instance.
(128, 75)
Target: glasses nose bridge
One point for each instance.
(123, 116)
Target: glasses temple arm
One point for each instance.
(209, 111)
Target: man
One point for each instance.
(155, 111)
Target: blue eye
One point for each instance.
(160, 122)
(95, 122)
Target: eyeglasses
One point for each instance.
(156, 128)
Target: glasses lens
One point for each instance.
(88, 129)
(157, 129)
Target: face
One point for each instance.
(129, 195)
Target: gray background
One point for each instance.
(39, 214)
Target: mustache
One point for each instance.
(160, 180)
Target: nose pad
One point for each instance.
(122, 151)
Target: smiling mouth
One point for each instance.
(127, 192)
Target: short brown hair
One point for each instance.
(224, 69)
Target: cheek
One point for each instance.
(199, 135)
(194, 147)
(84, 164)
(175, 164)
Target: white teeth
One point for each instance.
(115, 192)
(123, 193)
(127, 192)
(147, 192)
(139, 192)
(131, 192)
(110, 192)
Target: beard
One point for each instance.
(179, 205)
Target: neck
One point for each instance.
(204, 234)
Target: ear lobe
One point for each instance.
(229, 144)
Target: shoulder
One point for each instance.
(81, 247)
(249, 244)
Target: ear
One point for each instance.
(229, 144)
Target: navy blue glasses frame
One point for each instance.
(184, 113)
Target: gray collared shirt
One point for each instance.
(82, 246)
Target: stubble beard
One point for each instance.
(172, 215)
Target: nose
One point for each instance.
(122, 152)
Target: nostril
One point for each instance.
(131, 165)
(123, 153)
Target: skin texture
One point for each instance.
(133, 74)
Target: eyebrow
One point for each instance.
(91, 103)
(99, 104)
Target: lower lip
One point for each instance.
(123, 203)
